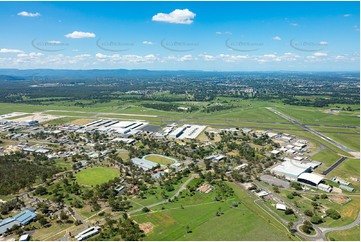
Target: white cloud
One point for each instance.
(319, 54)
(294, 24)
(224, 33)
(232, 58)
(10, 51)
(178, 16)
(186, 58)
(28, 14)
(80, 35)
(347, 15)
(145, 42)
(30, 55)
(340, 57)
(323, 43)
(133, 59)
(277, 38)
(206, 57)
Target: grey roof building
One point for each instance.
(22, 218)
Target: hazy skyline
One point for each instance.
(222, 36)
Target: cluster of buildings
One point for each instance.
(124, 128)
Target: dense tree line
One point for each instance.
(17, 171)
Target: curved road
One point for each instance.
(320, 231)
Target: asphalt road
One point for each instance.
(320, 231)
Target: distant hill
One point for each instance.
(28, 74)
(10, 78)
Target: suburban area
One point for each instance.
(180, 121)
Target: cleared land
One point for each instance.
(96, 175)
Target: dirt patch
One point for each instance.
(162, 218)
(82, 121)
(146, 227)
(339, 199)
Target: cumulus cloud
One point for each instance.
(28, 14)
(277, 38)
(323, 43)
(207, 57)
(80, 35)
(145, 42)
(186, 58)
(319, 54)
(30, 55)
(129, 59)
(178, 16)
(4, 50)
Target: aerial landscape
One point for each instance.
(230, 121)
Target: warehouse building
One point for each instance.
(311, 179)
(144, 164)
(187, 131)
(22, 218)
(291, 169)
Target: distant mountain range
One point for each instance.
(26, 74)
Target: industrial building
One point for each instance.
(347, 188)
(88, 233)
(311, 179)
(292, 169)
(124, 128)
(144, 164)
(187, 131)
(22, 218)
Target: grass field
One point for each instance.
(352, 141)
(327, 158)
(96, 175)
(59, 121)
(345, 235)
(310, 115)
(199, 213)
(162, 160)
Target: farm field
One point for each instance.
(96, 175)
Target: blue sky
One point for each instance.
(222, 36)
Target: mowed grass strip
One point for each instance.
(345, 235)
(96, 175)
(159, 159)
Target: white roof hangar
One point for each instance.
(310, 178)
(291, 169)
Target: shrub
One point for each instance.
(316, 220)
(333, 214)
(308, 213)
(290, 196)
